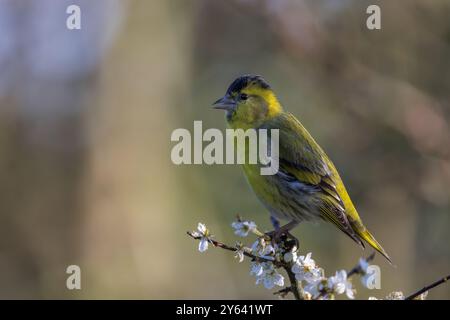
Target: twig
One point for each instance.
(283, 292)
(294, 288)
(427, 288)
(357, 269)
(229, 248)
(294, 284)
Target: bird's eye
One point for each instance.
(243, 96)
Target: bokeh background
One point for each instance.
(86, 118)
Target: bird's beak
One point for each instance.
(225, 103)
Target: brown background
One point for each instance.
(86, 117)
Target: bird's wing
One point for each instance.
(301, 157)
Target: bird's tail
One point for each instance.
(370, 239)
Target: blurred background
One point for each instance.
(86, 117)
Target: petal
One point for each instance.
(268, 283)
(255, 246)
(308, 257)
(288, 257)
(331, 282)
(201, 227)
(363, 264)
(296, 268)
(236, 225)
(203, 245)
(268, 249)
(311, 277)
(279, 280)
(240, 233)
(365, 280)
(342, 275)
(300, 276)
(339, 288)
(301, 260)
(257, 269)
(350, 294)
(239, 255)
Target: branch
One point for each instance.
(294, 287)
(222, 245)
(274, 252)
(357, 269)
(283, 292)
(427, 288)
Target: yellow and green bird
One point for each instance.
(307, 185)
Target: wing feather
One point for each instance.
(301, 157)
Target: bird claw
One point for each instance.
(273, 236)
(276, 235)
(296, 242)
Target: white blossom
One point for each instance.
(256, 269)
(363, 265)
(204, 235)
(203, 245)
(291, 255)
(339, 284)
(273, 279)
(265, 273)
(305, 269)
(423, 296)
(316, 288)
(395, 295)
(263, 249)
(307, 295)
(242, 228)
(315, 285)
(239, 254)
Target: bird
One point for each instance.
(307, 186)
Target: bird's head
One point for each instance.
(248, 102)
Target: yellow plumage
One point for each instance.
(307, 186)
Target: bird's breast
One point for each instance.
(284, 198)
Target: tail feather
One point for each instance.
(370, 239)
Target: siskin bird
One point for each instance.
(307, 186)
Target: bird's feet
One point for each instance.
(279, 235)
